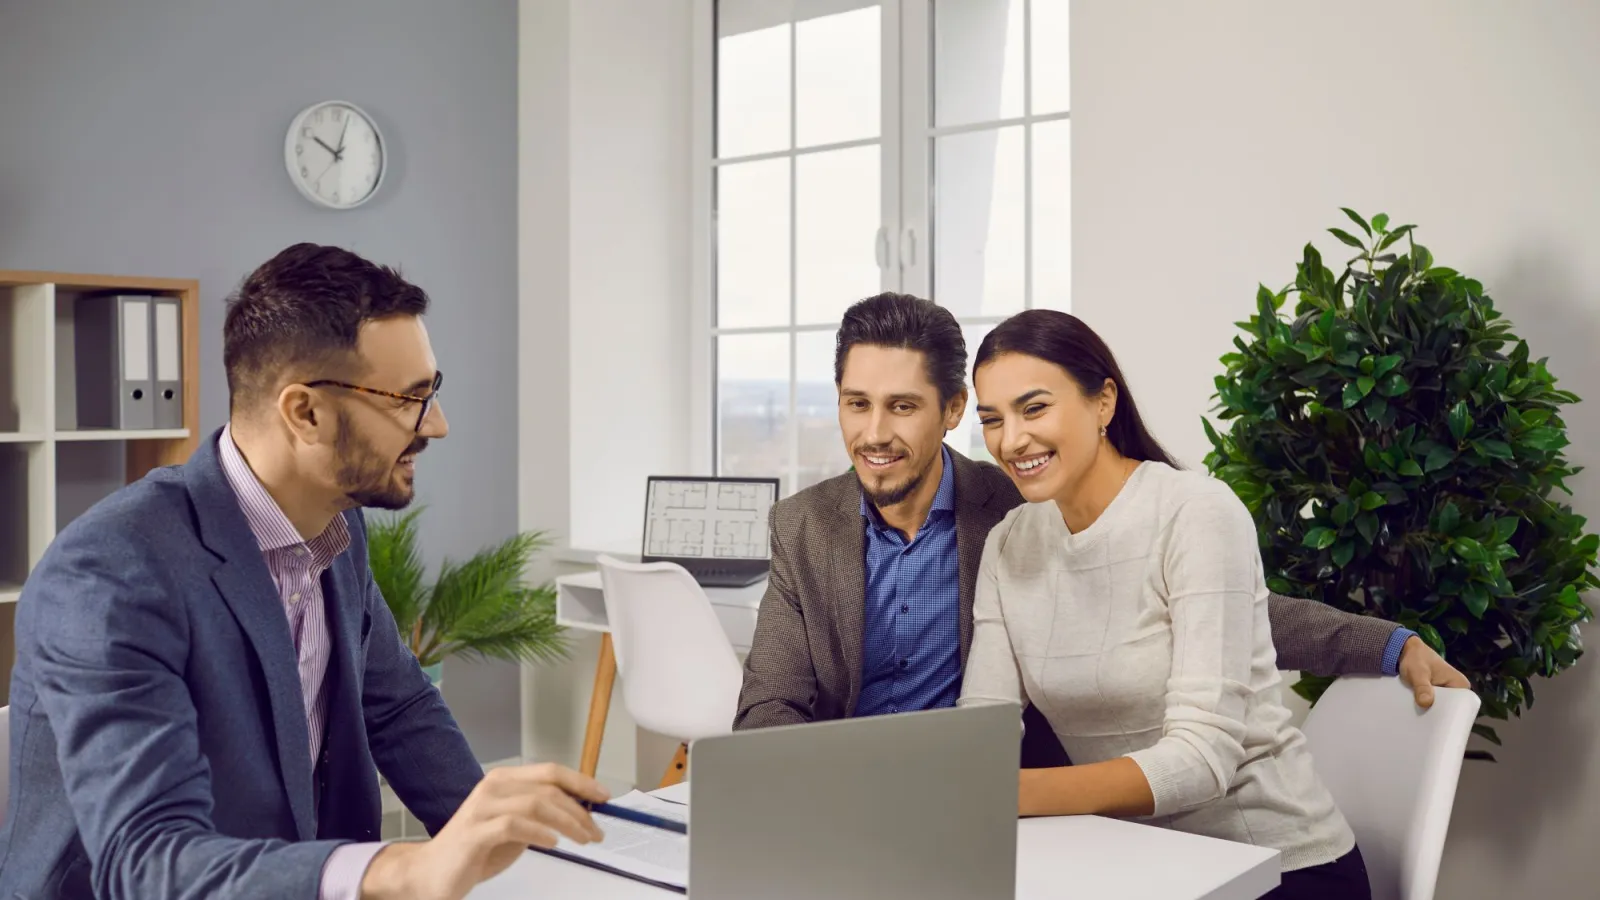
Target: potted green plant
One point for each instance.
(1401, 453)
(480, 608)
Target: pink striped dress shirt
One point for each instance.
(297, 565)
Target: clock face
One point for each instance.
(335, 155)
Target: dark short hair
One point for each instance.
(298, 316)
(904, 322)
(1063, 339)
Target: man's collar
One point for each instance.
(268, 522)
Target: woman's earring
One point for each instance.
(1102, 431)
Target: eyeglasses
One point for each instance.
(426, 400)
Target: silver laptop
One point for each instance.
(915, 805)
(716, 528)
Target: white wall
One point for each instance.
(630, 70)
(603, 212)
(1211, 141)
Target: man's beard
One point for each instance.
(893, 494)
(367, 478)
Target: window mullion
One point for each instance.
(792, 428)
(915, 157)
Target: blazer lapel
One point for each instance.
(974, 520)
(342, 600)
(343, 605)
(246, 586)
(847, 569)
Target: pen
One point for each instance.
(634, 815)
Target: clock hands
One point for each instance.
(336, 153)
(339, 153)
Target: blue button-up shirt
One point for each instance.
(911, 648)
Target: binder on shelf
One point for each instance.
(168, 343)
(112, 350)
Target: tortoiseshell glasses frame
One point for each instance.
(426, 400)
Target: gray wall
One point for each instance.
(1210, 142)
(147, 139)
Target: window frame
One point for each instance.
(905, 238)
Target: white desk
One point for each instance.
(1068, 858)
(581, 604)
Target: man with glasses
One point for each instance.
(208, 680)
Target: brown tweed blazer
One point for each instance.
(805, 659)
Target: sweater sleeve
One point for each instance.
(1214, 593)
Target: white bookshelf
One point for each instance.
(50, 471)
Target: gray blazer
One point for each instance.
(158, 735)
(805, 660)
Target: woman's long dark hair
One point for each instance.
(1064, 340)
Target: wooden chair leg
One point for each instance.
(677, 768)
(605, 674)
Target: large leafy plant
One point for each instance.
(1401, 453)
(480, 608)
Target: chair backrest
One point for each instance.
(1392, 768)
(680, 675)
(5, 760)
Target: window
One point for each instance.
(852, 147)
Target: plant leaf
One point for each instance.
(1347, 238)
(1449, 518)
(1343, 553)
(1380, 221)
(1395, 385)
(481, 607)
(1492, 448)
(1320, 538)
(397, 568)
(1460, 420)
(1488, 734)
(1438, 458)
(1476, 597)
(1357, 219)
(1352, 395)
(1505, 527)
(1410, 469)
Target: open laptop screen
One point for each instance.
(713, 519)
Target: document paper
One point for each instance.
(651, 854)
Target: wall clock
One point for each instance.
(335, 154)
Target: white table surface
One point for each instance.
(1068, 858)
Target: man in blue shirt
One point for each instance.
(868, 609)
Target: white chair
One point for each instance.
(5, 760)
(680, 675)
(1392, 768)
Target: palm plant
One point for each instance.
(480, 608)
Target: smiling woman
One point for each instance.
(1126, 601)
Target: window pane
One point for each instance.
(822, 453)
(1052, 79)
(977, 61)
(753, 405)
(752, 88)
(967, 438)
(978, 228)
(1052, 215)
(753, 244)
(838, 207)
(838, 68)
